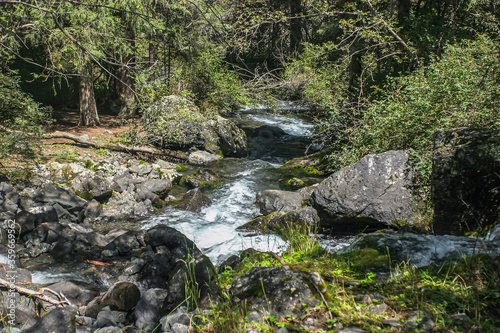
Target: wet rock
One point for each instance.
(465, 180)
(7, 205)
(290, 291)
(92, 185)
(149, 309)
(122, 296)
(61, 320)
(167, 263)
(232, 140)
(202, 178)
(374, 191)
(201, 157)
(423, 250)
(275, 200)
(306, 215)
(194, 200)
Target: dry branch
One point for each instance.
(35, 294)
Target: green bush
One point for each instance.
(21, 119)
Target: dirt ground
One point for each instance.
(112, 128)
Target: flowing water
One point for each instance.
(233, 204)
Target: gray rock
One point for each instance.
(157, 185)
(202, 178)
(179, 317)
(378, 309)
(201, 157)
(80, 291)
(290, 291)
(142, 193)
(465, 180)
(423, 250)
(420, 320)
(306, 215)
(232, 140)
(122, 296)
(116, 317)
(194, 200)
(91, 185)
(276, 200)
(93, 209)
(376, 190)
(44, 214)
(60, 320)
(141, 169)
(169, 257)
(254, 316)
(123, 181)
(176, 123)
(149, 309)
(125, 243)
(282, 330)
(494, 234)
(51, 194)
(166, 165)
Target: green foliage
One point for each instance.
(22, 120)
(459, 89)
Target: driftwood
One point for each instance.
(36, 294)
(115, 146)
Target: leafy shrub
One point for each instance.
(21, 118)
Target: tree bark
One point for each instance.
(295, 26)
(124, 88)
(88, 108)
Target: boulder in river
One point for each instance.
(201, 157)
(466, 180)
(121, 296)
(375, 191)
(232, 139)
(275, 200)
(194, 201)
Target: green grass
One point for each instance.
(471, 286)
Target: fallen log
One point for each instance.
(106, 145)
(115, 146)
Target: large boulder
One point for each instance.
(232, 139)
(466, 180)
(175, 263)
(177, 123)
(375, 191)
(275, 200)
(279, 291)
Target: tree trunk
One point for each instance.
(88, 108)
(295, 26)
(124, 88)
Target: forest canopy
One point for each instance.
(378, 74)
